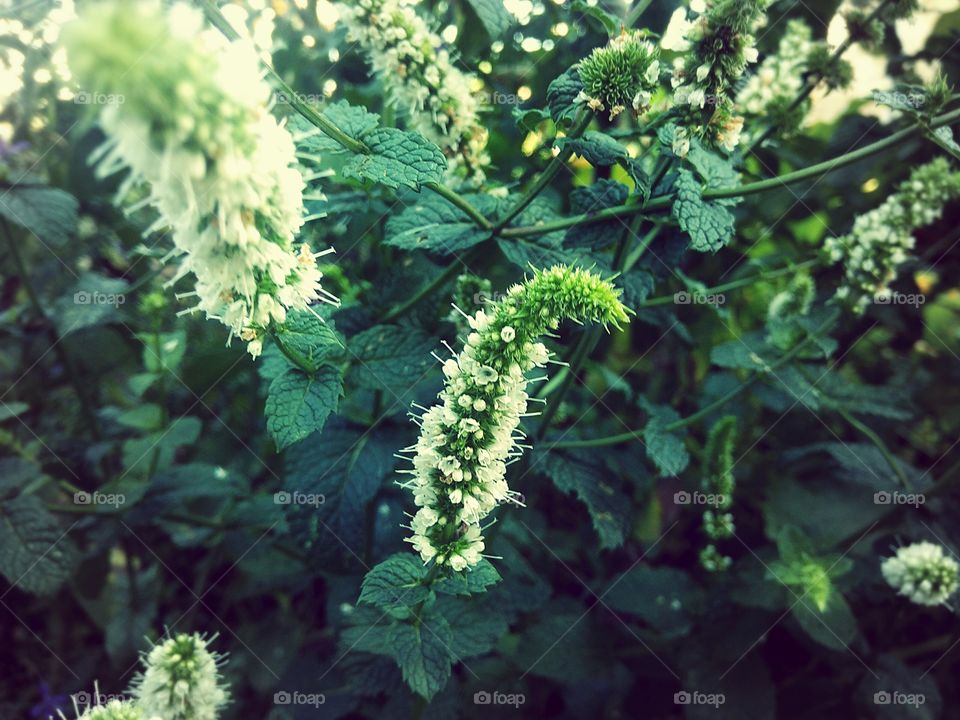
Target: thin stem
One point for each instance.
(635, 12)
(553, 167)
(462, 203)
(700, 414)
(428, 289)
(814, 80)
(291, 355)
(664, 202)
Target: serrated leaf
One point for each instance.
(590, 199)
(313, 340)
(398, 157)
(35, 554)
(468, 582)
(390, 357)
(477, 623)
(422, 653)
(47, 212)
(665, 449)
(395, 582)
(562, 95)
(709, 225)
(433, 224)
(353, 120)
(345, 465)
(94, 300)
(299, 403)
(494, 17)
(608, 506)
(637, 286)
(597, 148)
(529, 118)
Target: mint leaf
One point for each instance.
(597, 148)
(353, 120)
(422, 653)
(494, 17)
(94, 300)
(478, 624)
(47, 212)
(709, 225)
(396, 158)
(433, 224)
(475, 580)
(390, 357)
(309, 338)
(299, 403)
(562, 95)
(665, 449)
(35, 555)
(395, 582)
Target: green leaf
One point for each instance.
(478, 623)
(395, 582)
(709, 224)
(433, 224)
(353, 120)
(494, 17)
(562, 95)
(35, 554)
(12, 409)
(390, 357)
(469, 582)
(139, 453)
(94, 300)
(299, 403)
(144, 417)
(610, 23)
(310, 338)
(48, 213)
(590, 199)
(422, 653)
(529, 118)
(597, 148)
(341, 469)
(835, 627)
(665, 598)
(396, 158)
(665, 449)
(575, 472)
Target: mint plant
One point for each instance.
(631, 379)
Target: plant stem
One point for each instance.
(553, 167)
(700, 414)
(452, 269)
(291, 355)
(86, 407)
(635, 12)
(664, 202)
(462, 203)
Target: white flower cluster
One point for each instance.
(467, 440)
(420, 77)
(181, 681)
(460, 460)
(192, 120)
(115, 710)
(922, 573)
(882, 238)
(717, 45)
(779, 79)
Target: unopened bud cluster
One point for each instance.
(622, 75)
(922, 573)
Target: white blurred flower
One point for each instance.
(922, 573)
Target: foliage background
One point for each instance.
(605, 611)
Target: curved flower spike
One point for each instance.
(466, 441)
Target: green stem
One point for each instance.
(733, 285)
(700, 414)
(636, 11)
(86, 406)
(664, 202)
(291, 355)
(553, 167)
(429, 288)
(462, 203)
